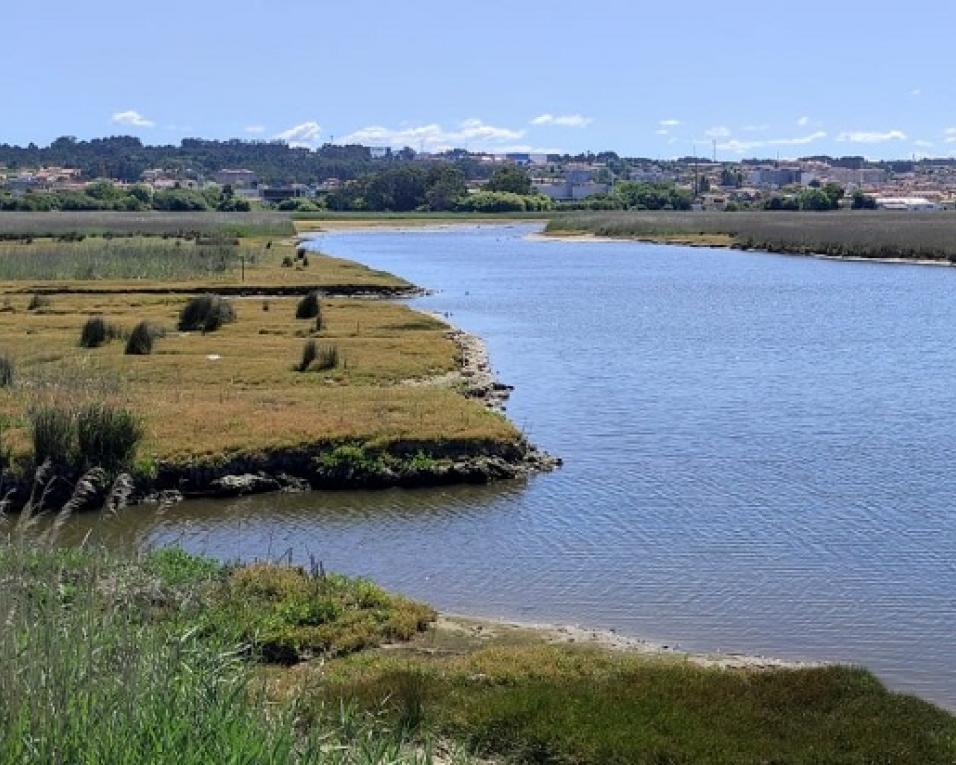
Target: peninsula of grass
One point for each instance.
(164, 657)
(881, 235)
(203, 340)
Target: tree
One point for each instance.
(835, 193)
(815, 199)
(510, 178)
(398, 189)
(446, 185)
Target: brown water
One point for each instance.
(758, 454)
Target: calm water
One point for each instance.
(759, 454)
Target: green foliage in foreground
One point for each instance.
(564, 704)
(106, 660)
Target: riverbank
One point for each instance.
(306, 662)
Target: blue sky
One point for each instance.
(762, 78)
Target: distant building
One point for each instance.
(911, 204)
(276, 194)
(235, 178)
(570, 191)
(774, 177)
(379, 152)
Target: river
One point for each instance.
(757, 454)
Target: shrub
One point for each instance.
(6, 371)
(309, 352)
(97, 331)
(107, 437)
(51, 428)
(38, 302)
(141, 339)
(309, 306)
(287, 262)
(206, 313)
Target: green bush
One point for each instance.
(206, 313)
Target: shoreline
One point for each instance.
(486, 628)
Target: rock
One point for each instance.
(292, 485)
(247, 483)
(120, 493)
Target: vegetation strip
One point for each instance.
(885, 236)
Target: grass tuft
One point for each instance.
(309, 306)
(97, 332)
(206, 313)
(107, 437)
(6, 371)
(142, 338)
(39, 302)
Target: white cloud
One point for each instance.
(669, 123)
(718, 132)
(950, 135)
(254, 129)
(563, 120)
(870, 136)
(472, 133)
(663, 131)
(306, 134)
(916, 92)
(803, 121)
(740, 147)
(132, 119)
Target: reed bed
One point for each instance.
(134, 258)
(61, 224)
(864, 234)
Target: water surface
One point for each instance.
(758, 454)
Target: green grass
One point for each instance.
(130, 258)
(542, 703)
(857, 233)
(72, 224)
(112, 660)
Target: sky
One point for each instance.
(660, 79)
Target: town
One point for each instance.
(234, 175)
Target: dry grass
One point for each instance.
(236, 391)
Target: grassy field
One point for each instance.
(206, 397)
(862, 234)
(515, 694)
(18, 225)
(169, 658)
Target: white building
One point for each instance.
(911, 204)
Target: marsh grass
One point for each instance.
(856, 233)
(533, 702)
(97, 331)
(104, 659)
(131, 258)
(309, 352)
(74, 225)
(206, 313)
(327, 357)
(94, 434)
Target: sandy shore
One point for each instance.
(502, 630)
